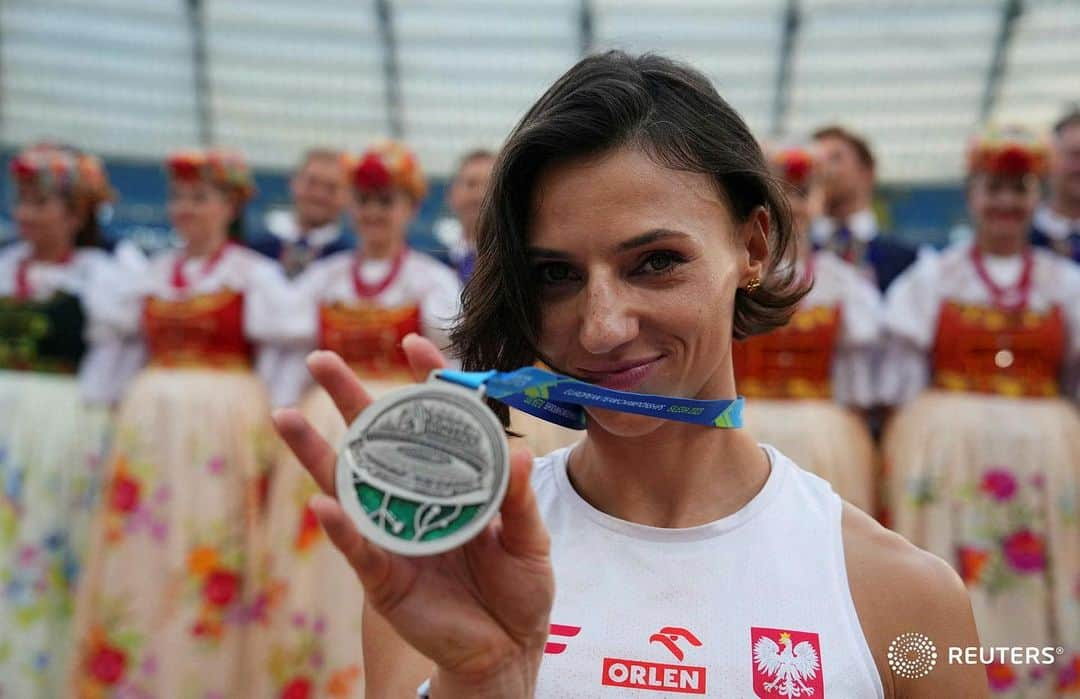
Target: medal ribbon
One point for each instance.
(560, 399)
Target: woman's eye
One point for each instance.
(660, 262)
(554, 272)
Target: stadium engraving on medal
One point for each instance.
(424, 468)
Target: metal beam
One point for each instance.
(200, 67)
(781, 96)
(395, 115)
(3, 84)
(586, 27)
(1010, 12)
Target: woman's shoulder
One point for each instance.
(899, 588)
(545, 472)
(11, 253)
(331, 264)
(423, 266)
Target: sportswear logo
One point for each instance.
(669, 637)
(659, 677)
(554, 647)
(786, 663)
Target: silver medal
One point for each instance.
(424, 468)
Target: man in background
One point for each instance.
(312, 229)
(1057, 220)
(848, 225)
(465, 195)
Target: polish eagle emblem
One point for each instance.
(786, 669)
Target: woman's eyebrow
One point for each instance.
(635, 242)
(548, 253)
(649, 237)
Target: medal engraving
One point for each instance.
(423, 469)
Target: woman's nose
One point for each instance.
(607, 320)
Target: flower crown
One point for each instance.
(385, 165)
(224, 168)
(65, 171)
(1008, 151)
(794, 164)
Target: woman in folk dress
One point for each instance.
(983, 457)
(361, 305)
(807, 381)
(168, 601)
(53, 425)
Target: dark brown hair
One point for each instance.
(1070, 118)
(668, 110)
(859, 144)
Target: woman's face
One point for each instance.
(200, 212)
(638, 266)
(1002, 206)
(44, 219)
(382, 217)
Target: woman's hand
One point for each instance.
(479, 612)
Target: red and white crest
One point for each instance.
(786, 663)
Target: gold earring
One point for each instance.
(752, 285)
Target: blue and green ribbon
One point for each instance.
(561, 399)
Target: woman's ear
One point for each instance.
(755, 238)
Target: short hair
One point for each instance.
(319, 153)
(859, 144)
(471, 156)
(1070, 118)
(608, 101)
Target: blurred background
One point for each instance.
(133, 79)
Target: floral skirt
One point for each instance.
(313, 644)
(823, 438)
(50, 453)
(992, 485)
(167, 605)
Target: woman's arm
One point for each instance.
(392, 668)
(898, 588)
(479, 612)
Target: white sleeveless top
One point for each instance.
(754, 604)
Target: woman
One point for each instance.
(360, 305)
(983, 454)
(809, 375)
(168, 598)
(51, 433)
(631, 209)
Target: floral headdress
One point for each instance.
(224, 168)
(793, 164)
(1007, 151)
(79, 177)
(385, 165)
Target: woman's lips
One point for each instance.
(1007, 216)
(623, 378)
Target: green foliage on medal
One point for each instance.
(410, 520)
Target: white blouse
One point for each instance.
(109, 360)
(837, 282)
(914, 299)
(291, 321)
(119, 290)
